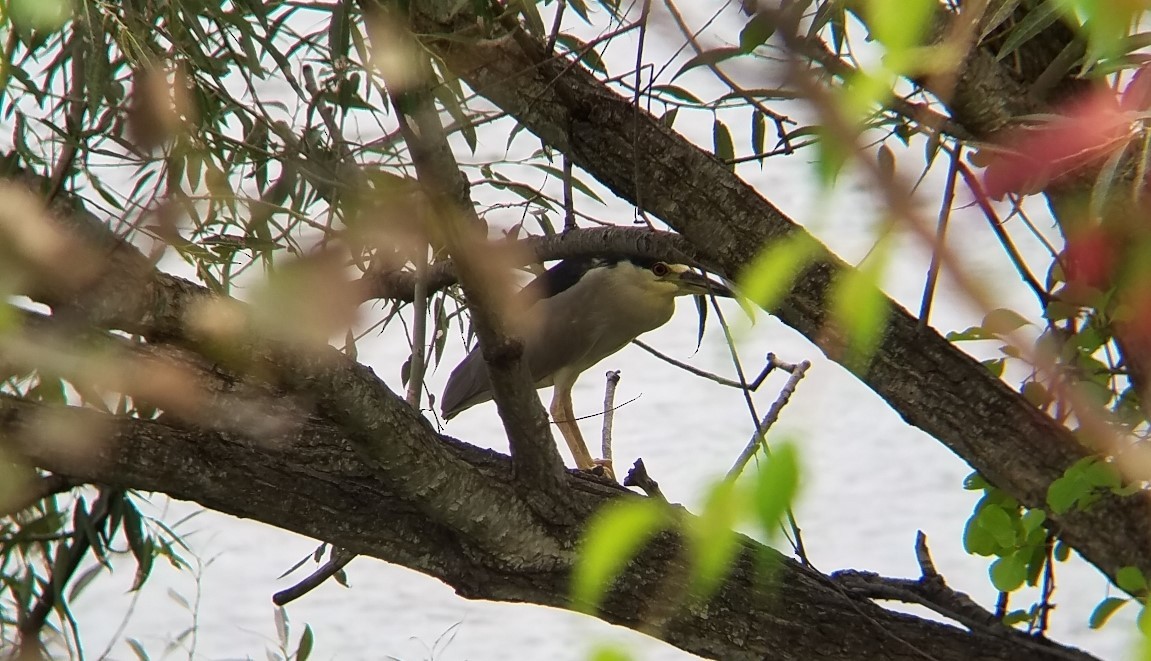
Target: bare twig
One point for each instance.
(569, 201)
(338, 559)
(638, 477)
(940, 236)
(760, 436)
(780, 120)
(557, 23)
(418, 363)
(754, 385)
(609, 412)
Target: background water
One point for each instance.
(870, 480)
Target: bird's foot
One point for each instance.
(602, 467)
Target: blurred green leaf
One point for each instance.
(609, 653)
(776, 268)
(713, 541)
(899, 24)
(39, 15)
(1131, 579)
(613, 537)
(860, 309)
(1003, 321)
(776, 486)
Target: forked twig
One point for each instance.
(760, 436)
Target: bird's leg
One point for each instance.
(564, 417)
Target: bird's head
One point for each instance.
(671, 279)
(602, 274)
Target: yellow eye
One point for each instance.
(660, 269)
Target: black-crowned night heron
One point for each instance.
(585, 310)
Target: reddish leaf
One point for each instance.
(1087, 131)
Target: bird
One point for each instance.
(579, 312)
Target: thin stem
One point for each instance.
(760, 436)
(940, 235)
(753, 386)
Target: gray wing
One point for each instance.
(560, 335)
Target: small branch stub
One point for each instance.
(609, 413)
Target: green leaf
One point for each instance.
(713, 541)
(776, 487)
(758, 131)
(609, 653)
(724, 148)
(1018, 616)
(677, 92)
(1131, 579)
(1037, 394)
(709, 58)
(995, 366)
(307, 640)
(899, 24)
(138, 650)
(776, 268)
(1002, 321)
(587, 55)
(975, 482)
(1008, 574)
(976, 540)
(1063, 493)
(39, 15)
(1062, 551)
(999, 524)
(1036, 20)
(860, 308)
(1143, 620)
(613, 537)
(1105, 610)
(756, 32)
(1033, 519)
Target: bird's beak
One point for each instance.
(691, 282)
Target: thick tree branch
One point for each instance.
(390, 434)
(535, 456)
(588, 242)
(311, 481)
(930, 382)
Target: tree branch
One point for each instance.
(312, 482)
(931, 383)
(535, 456)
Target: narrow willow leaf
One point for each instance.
(1035, 21)
(709, 58)
(756, 32)
(724, 148)
(758, 131)
(776, 268)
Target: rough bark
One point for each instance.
(362, 470)
(927, 380)
(317, 482)
(359, 468)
